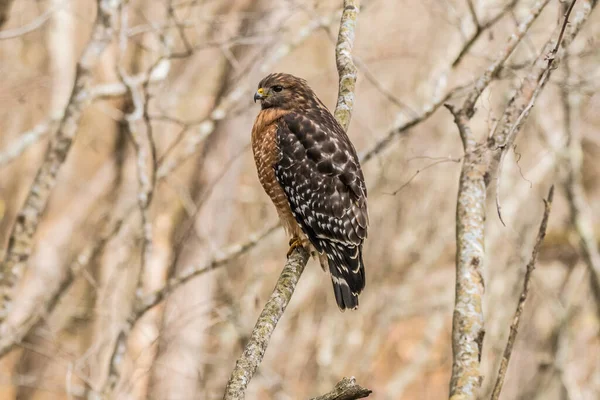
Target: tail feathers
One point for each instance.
(347, 273)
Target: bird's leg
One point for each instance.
(295, 241)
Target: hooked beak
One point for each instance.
(259, 95)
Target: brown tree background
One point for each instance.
(143, 248)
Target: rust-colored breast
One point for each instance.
(266, 155)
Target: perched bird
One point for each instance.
(310, 170)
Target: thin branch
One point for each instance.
(479, 85)
(418, 171)
(226, 256)
(27, 28)
(514, 326)
(21, 238)
(25, 140)
(246, 365)
(523, 102)
(483, 82)
(346, 69)
(346, 389)
(473, 13)
(480, 28)
(143, 143)
(384, 142)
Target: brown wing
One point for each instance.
(320, 174)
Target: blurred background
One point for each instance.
(195, 65)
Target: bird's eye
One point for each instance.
(277, 88)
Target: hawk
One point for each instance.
(310, 170)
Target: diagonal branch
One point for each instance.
(247, 364)
(483, 82)
(514, 326)
(27, 28)
(346, 389)
(21, 238)
(25, 140)
(480, 28)
(234, 251)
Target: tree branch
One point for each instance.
(480, 28)
(467, 323)
(514, 326)
(27, 28)
(346, 389)
(346, 69)
(255, 349)
(482, 83)
(25, 140)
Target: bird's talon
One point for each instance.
(294, 242)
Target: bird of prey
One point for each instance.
(310, 170)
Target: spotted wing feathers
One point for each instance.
(321, 177)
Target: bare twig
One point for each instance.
(523, 103)
(514, 326)
(255, 349)
(473, 13)
(191, 272)
(346, 389)
(20, 242)
(480, 28)
(25, 140)
(27, 28)
(383, 143)
(482, 83)
(143, 143)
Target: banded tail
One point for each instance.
(347, 272)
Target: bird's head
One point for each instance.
(284, 91)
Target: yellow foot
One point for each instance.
(294, 242)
